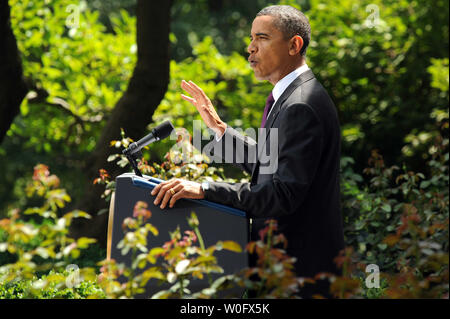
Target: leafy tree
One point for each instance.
(377, 70)
(134, 110)
(77, 73)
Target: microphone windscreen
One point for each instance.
(163, 130)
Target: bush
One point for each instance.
(51, 286)
(400, 223)
(183, 260)
(35, 245)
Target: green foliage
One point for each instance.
(399, 222)
(274, 268)
(422, 142)
(384, 74)
(388, 76)
(136, 231)
(373, 212)
(379, 70)
(36, 242)
(183, 260)
(376, 69)
(181, 161)
(76, 73)
(227, 22)
(82, 69)
(55, 289)
(227, 80)
(439, 73)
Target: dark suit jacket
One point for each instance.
(303, 193)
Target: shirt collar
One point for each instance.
(282, 85)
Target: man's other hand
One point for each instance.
(170, 191)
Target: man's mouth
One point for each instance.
(252, 62)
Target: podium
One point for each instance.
(217, 223)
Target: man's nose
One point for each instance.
(251, 48)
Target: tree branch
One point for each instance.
(39, 95)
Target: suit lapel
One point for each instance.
(302, 78)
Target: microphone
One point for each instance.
(158, 133)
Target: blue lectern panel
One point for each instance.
(217, 222)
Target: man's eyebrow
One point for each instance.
(261, 34)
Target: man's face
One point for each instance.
(269, 51)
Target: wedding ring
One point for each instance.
(172, 191)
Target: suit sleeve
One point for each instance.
(300, 142)
(234, 148)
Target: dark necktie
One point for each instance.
(269, 103)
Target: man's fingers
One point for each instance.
(165, 199)
(159, 193)
(194, 86)
(197, 89)
(174, 198)
(171, 191)
(162, 189)
(156, 189)
(189, 88)
(194, 102)
(201, 100)
(187, 98)
(169, 196)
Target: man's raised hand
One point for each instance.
(204, 106)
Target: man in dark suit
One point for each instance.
(300, 188)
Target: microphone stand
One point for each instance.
(132, 157)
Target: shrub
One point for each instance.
(184, 257)
(400, 223)
(36, 241)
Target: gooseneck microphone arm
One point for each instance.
(133, 152)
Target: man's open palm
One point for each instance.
(203, 105)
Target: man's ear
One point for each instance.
(296, 45)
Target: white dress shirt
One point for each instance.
(279, 88)
(282, 85)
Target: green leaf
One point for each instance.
(151, 256)
(153, 272)
(425, 184)
(84, 242)
(386, 208)
(75, 253)
(152, 229)
(360, 225)
(140, 261)
(42, 252)
(229, 245)
(112, 157)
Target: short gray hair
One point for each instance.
(290, 21)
